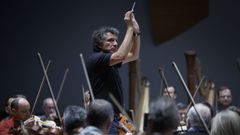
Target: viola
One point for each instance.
(125, 125)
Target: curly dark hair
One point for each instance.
(99, 35)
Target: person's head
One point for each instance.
(20, 108)
(8, 102)
(170, 91)
(105, 39)
(226, 122)
(48, 106)
(91, 130)
(224, 96)
(74, 117)
(100, 114)
(182, 109)
(193, 119)
(163, 116)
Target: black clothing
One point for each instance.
(105, 78)
(196, 131)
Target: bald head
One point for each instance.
(20, 108)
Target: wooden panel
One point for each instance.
(169, 18)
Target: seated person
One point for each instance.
(99, 117)
(74, 120)
(226, 122)
(224, 98)
(49, 110)
(20, 108)
(163, 117)
(194, 123)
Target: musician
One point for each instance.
(49, 110)
(170, 92)
(163, 117)
(108, 57)
(74, 119)
(7, 112)
(20, 108)
(182, 109)
(194, 123)
(100, 115)
(224, 98)
(226, 122)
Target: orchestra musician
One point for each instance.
(49, 111)
(108, 57)
(74, 120)
(170, 92)
(182, 109)
(226, 122)
(163, 117)
(7, 110)
(224, 98)
(20, 108)
(195, 125)
(100, 115)
(21, 123)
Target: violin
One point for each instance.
(125, 126)
(35, 126)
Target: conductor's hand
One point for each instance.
(131, 21)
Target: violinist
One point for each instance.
(170, 92)
(74, 120)
(8, 101)
(6, 114)
(20, 108)
(182, 109)
(163, 117)
(99, 117)
(224, 98)
(195, 125)
(49, 111)
(107, 58)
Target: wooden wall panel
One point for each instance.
(169, 18)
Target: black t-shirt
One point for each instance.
(105, 78)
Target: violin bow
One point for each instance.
(50, 87)
(189, 94)
(62, 83)
(40, 89)
(196, 91)
(84, 100)
(86, 75)
(164, 80)
(122, 110)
